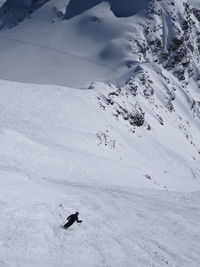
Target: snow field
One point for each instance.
(121, 226)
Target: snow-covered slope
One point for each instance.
(45, 44)
(62, 152)
(121, 227)
(123, 149)
(41, 39)
(64, 130)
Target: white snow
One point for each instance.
(45, 43)
(64, 149)
(194, 3)
(121, 226)
(53, 163)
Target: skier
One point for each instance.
(71, 219)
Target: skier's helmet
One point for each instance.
(77, 213)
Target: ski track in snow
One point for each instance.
(112, 68)
(120, 228)
(44, 178)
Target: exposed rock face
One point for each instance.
(171, 38)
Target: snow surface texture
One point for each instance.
(124, 150)
(61, 153)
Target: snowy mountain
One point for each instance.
(100, 113)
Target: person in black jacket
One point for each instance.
(71, 219)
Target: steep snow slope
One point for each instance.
(105, 150)
(64, 130)
(61, 152)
